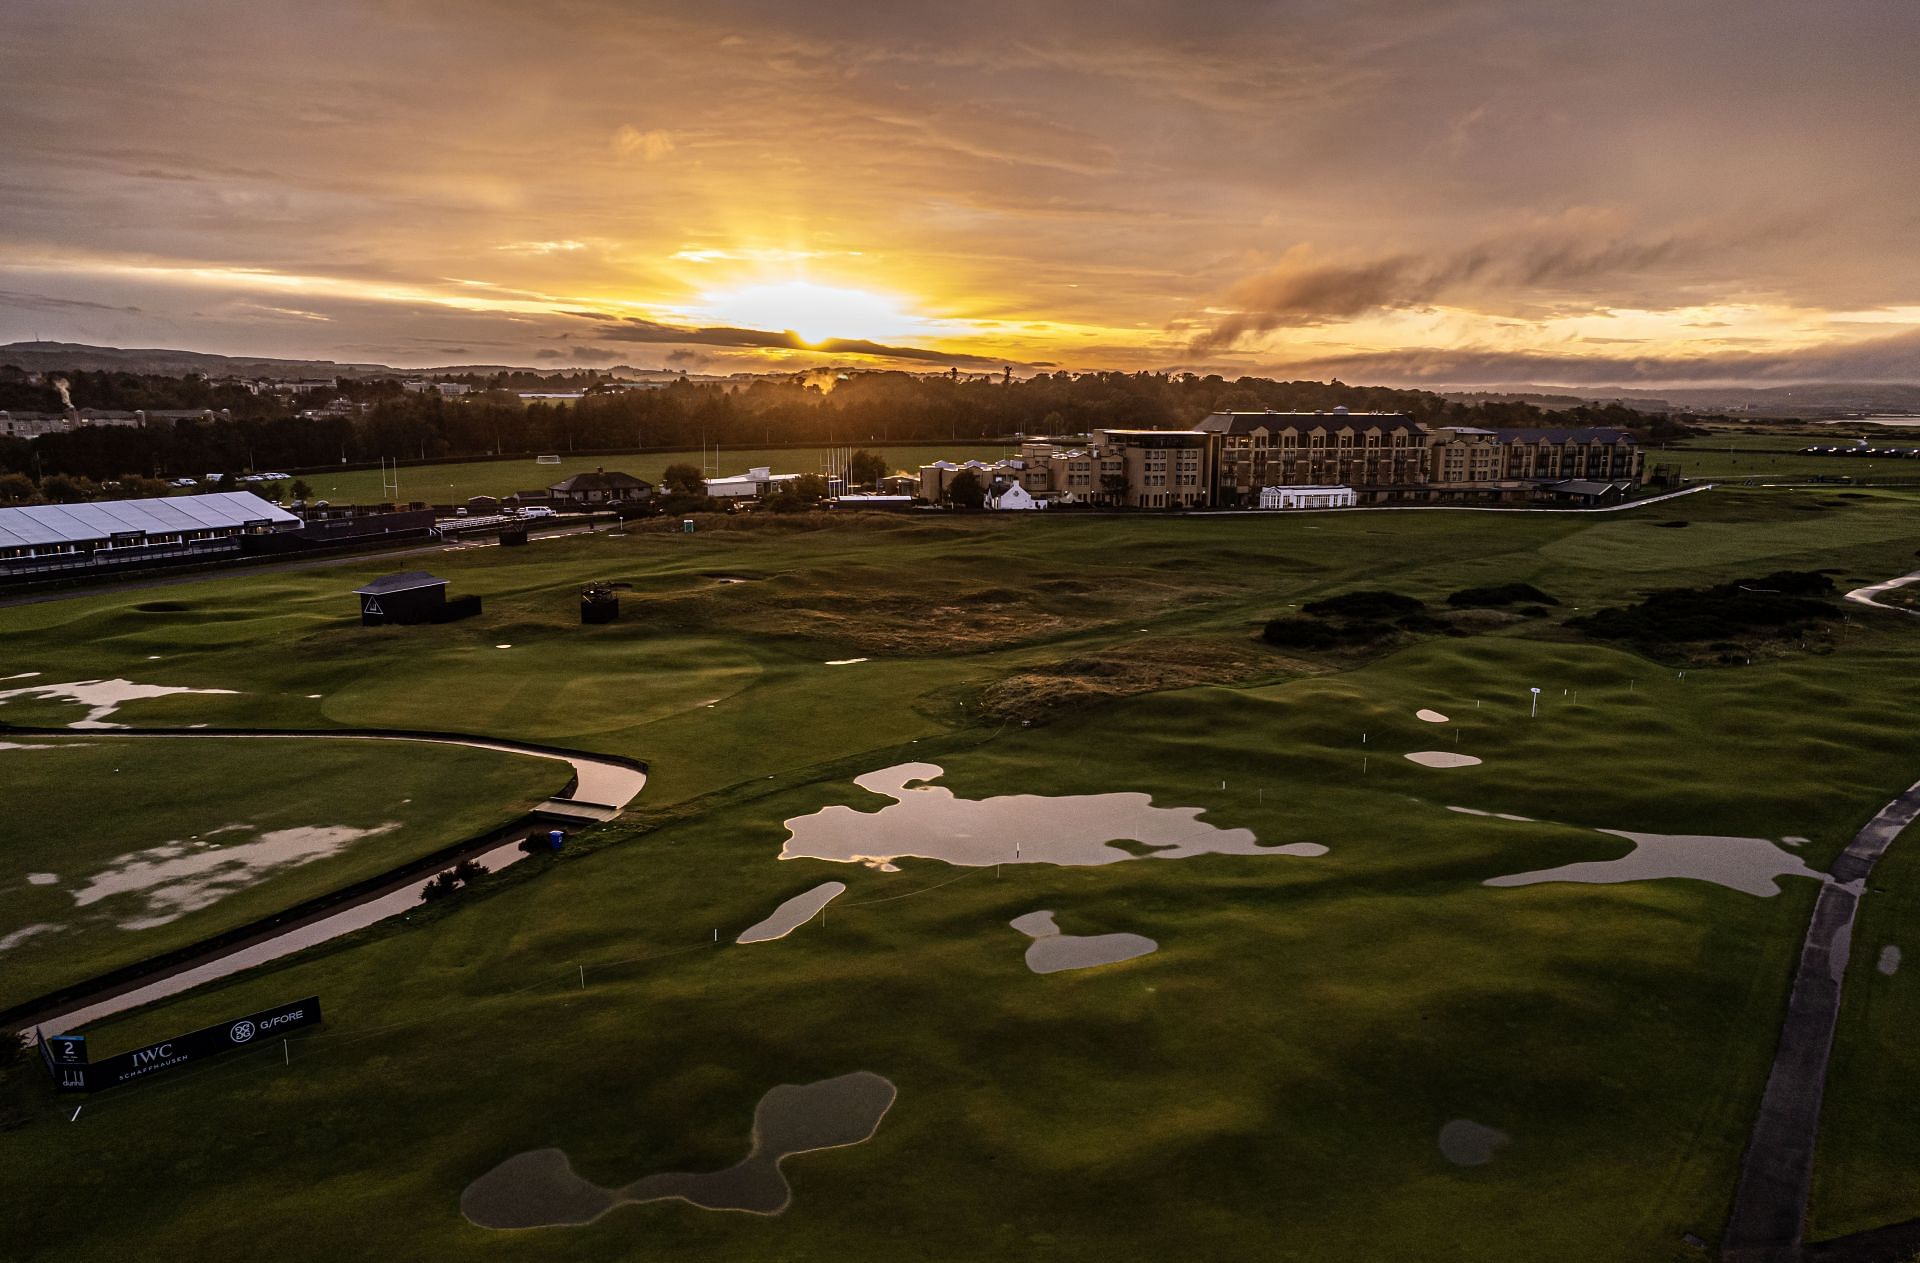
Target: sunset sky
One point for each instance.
(1430, 191)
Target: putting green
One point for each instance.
(143, 845)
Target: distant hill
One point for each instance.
(41, 357)
(78, 357)
(1818, 399)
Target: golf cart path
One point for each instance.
(601, 788)
(1776, 1173)
(1866, 595)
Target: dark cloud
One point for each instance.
(45, 302)
(648, 331)
(1890, 359)
(1298, 292)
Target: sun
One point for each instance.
(815, 312)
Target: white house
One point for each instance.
(1012, 496)
(1307, 497)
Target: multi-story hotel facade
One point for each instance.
(1230, 458)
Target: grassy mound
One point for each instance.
(1500, 596)
(1784, 606)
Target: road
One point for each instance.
(1776, 1173)
(1866, 595)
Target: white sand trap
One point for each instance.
(101, 697)
(313, 697)
(1492, 815)
(1052, 952)
(34, 745)
(794, 913)
(1466, 1143)
(42, 879)
(176, 878)
(928, 822)
(23, 675)
(1889, 962)
(1796, 841)
(503, 646)
(1430, 716)
(25, 932)
(1749, 865)
(1442, 758)
(539, 1189)
(843, 662)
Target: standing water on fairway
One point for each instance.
(929, 822)
(794, 913)
(101, 697)
(1466, 1143)
(539, 1189)
(1053, 952)
(1749, 865)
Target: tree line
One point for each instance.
(812, 409)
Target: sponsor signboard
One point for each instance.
(167, 1054)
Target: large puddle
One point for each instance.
(101, 697)
(1749, 865)
(929, 822)
(1052, 952)
(539, 1189)
(794, 913)
(176, 878)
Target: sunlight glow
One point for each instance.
(815, 312)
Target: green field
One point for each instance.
(1268, 1084)
(1737, 453)
(455, 482)
(172, 841)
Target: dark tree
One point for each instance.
(865, 469)
(966, 491)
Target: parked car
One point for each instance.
(538, 510)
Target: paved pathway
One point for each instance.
(1866, 595)
(1776, 1175)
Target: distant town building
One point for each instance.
(599, 488)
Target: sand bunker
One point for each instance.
(1749, 865)
(1052, 952)
(1430, 716)
(843, 662)
(1796, 841)
(34, 745)
(1889, 962)
(176, 878)
(1442, 758)
(539, 1189)
(1491, 815)
(101, 697)
(928, 822)
(794, 913)
(42, 879)
(1466, 1143)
